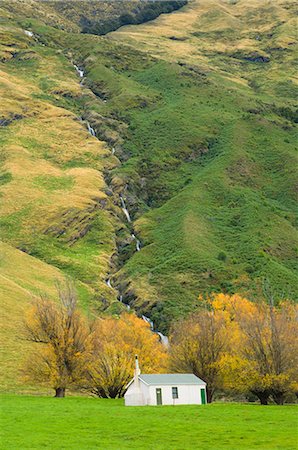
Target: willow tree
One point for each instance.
(197, 345)
(263, 353)
(270, 347)
(115, 343)
(62, 339)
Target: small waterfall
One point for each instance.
(92, 132)
(90, 129)
(120, 298)
(148, 321)
(80, 71)
(28, 33)
(164, 339)
(108, 283)
(138, 243)
(124, 209)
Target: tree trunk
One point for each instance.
(210, 392)
(60, 392)
(263, 397)
(279, 398)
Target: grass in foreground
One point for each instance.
(89, 423)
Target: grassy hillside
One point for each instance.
(209, 151)
(195, 119)
(90, 17)
(39, 422)
(22, 279)
(53, 185)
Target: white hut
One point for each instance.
(165, 389)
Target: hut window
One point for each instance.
(174, 392)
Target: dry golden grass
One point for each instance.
(56, 177)
(38, 10)
(241, 21)
(22, 278)
(43, 143)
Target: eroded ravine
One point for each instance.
(122, 200)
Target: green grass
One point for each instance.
(89, 423)
(219, 169)
(208, 161)
(51, 183)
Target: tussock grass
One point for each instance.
(22, 279)
(55, 167)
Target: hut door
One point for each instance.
(203, 397)
(158, 396)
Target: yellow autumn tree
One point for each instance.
(238, 345)
(263, 347)
(116, 341)
(62, 338)
(197, 345)
(270, 347)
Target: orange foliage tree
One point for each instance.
(197, 345)
(115, 343)
(263, 348)
(62, 333)
(241, 346)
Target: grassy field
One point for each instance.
(89, 423)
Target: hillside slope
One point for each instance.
(22, 278)
(217, 152)
(194, 115)
(98, 17)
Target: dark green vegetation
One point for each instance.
(86, 423)
(199, 106)
(133, 14)
(93, 17)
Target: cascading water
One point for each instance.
(90, 129)
(80, 71)
(138, 243)
(124, 209)
(148, 321)
(92, 132)
(108, 283)
(28, 33)
(163, 339)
